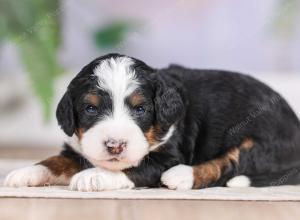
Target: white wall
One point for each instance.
(231, 34)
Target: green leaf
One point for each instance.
(112, 34)
(286, 17)
(33, 26)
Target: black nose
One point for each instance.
(115, 146)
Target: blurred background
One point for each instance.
(43, 44)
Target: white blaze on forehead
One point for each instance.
(116, 76)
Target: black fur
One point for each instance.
(169, 105)
(65, 114)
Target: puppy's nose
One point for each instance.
(115, 146)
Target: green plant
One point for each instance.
(286, 15)
(32, 25)
(113, 33)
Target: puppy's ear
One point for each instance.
(65, 114)
(168, 102)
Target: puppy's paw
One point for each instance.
(239, 182)
(179, 177)
(37, 175)
(98, 179)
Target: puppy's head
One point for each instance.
(117, 110)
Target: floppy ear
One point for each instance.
(65, 114)
(168, 103)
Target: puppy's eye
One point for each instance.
(91, 109)
(139, 109)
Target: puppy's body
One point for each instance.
(179, 127)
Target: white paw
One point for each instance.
(239, 181)
(37, 175)
(98, 179)
(180, 177)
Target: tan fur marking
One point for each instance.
(136, 99)
(93, 99)
(232, 155)
(247, 144)
(151, 135)
(212, 170)
(60, 165)
(79, 132)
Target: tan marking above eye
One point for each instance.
(136, 99)
(93, 99)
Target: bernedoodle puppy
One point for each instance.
(130, 125)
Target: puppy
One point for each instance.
(130, 125)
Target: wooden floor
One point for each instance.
(79, 209)
(108, 209)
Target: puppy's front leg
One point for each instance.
(147, 174)
(202, 175)
(98, 179)
(56, 170)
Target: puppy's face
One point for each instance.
(116, 113)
